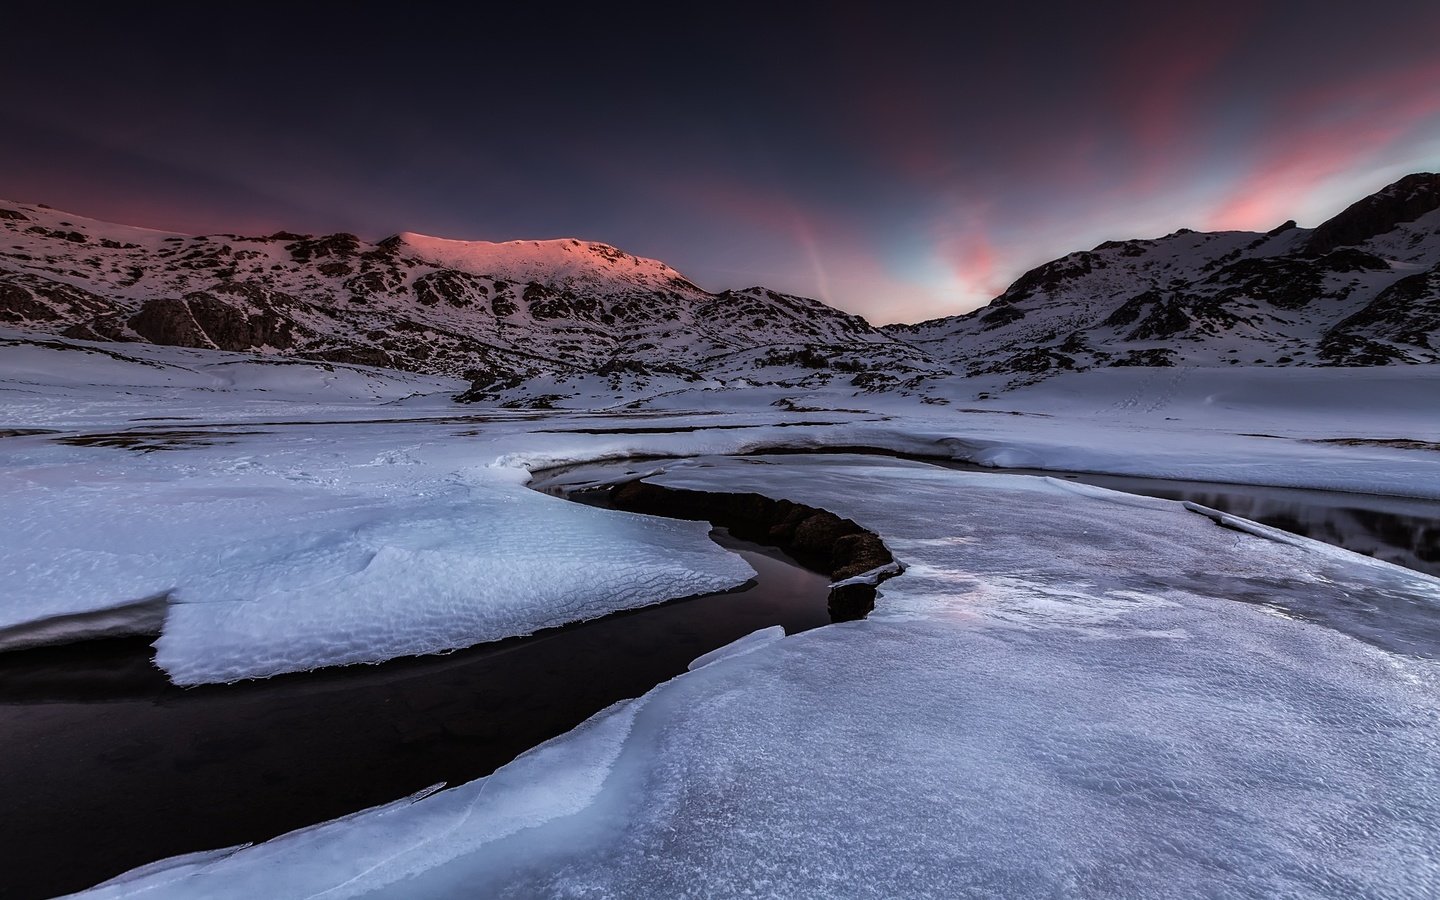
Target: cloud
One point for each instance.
(1329, 132)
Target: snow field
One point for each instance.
(1059, 696)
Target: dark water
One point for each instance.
(107, 766)
(1399, 530)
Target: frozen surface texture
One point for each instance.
(1070, 692)
(484, 566)
(270, 574)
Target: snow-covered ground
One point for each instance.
(297, 515)
(1060, 695)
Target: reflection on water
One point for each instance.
(1398, 614)
(1399, 530)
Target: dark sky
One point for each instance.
(897, 160)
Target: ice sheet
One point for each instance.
(487, 565)
(283, 556)
(1058, 697)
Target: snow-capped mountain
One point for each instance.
(496, 313)
(1361, 289)
(533, 322)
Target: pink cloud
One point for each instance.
(1161, 77)
(973, 260)
(1325, 133)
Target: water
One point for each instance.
(108, 766)
(1399, 530)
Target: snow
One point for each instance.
(764, 637)
(459, 571)
(1067, 691)
(1233, 298)
(523, 261)
(302, 515)
(1063, 691)
(1059, 697)
(279, 561)
(512, 310)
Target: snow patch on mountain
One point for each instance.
(1360, 289)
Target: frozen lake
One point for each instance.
(104, 753)
(105, 743)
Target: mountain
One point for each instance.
(1361, 289)
(535, 322)
(497, 313)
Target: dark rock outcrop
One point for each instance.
(1404, 201)
(201, 319)
(168, 320)
(1404, 315)
(817, 538)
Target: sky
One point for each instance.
(900, 161)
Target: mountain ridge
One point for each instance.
(1361, 288)
(497, 313)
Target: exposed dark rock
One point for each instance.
(1033, 360)
(817, 538)
(92, 331)
(203, 320)
(503, 304)
(1050, 276)
(168, 320)
(620, 365)
(809, 357)
(305, 249)
(73, 237)
(458, 289)
(1002, 316)
(26, 297)
(1407, 314)
(857, 553)
(1166, 319)
(817, 533)
(371, 283)
(1404, 201)
(872, 382)
(1284, 282)
(1127, 312)
(353, 355)
(19, 305)
(1349, 259)
(1157, 356)
(1074, 343)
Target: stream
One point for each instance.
(104, 754)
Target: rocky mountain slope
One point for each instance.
(496, 313)
(1361, 289)
(532, 322)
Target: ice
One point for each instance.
(142, 617)
(458, 573)
(1068, 691)
(1058, 697)
(747, 644)
(284, 556)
